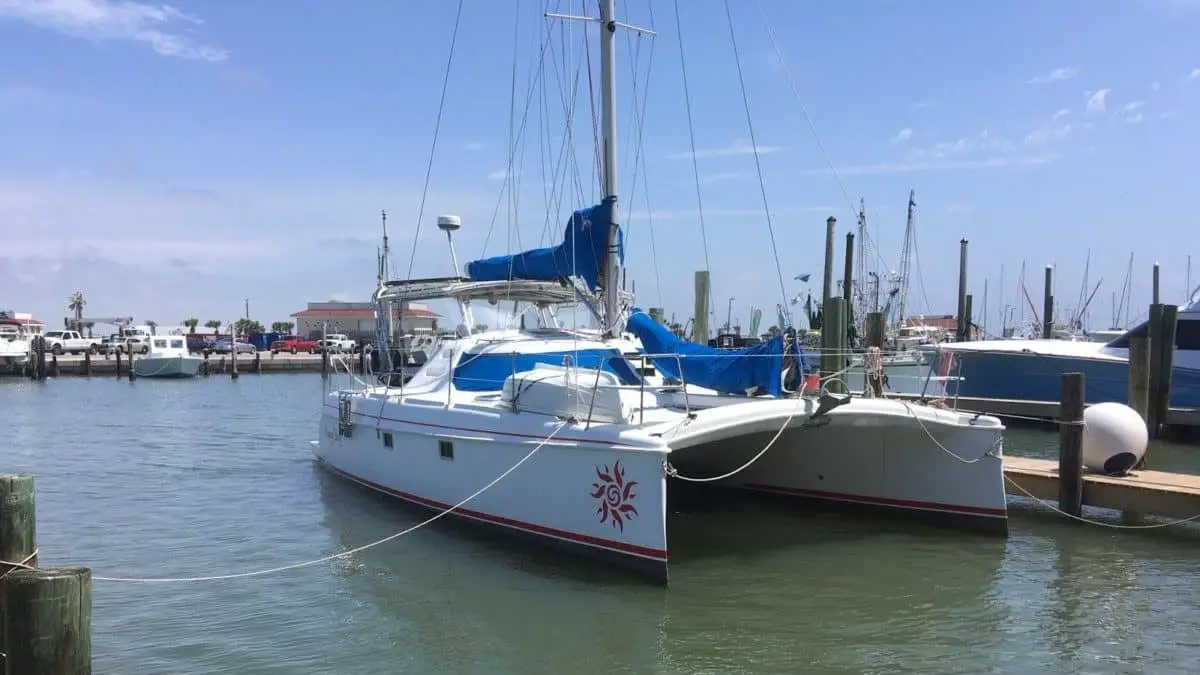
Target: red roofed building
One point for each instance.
(357, 319)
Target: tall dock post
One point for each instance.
(1048, 305)
(1070, 444)
(969, 318)
(18, 531)
(702, 289)
(960, 326)
(1163, 363)
(827, 286)
(1154, 328)
(835, 357)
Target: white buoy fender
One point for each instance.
(1114, 438)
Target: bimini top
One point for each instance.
(462, 288)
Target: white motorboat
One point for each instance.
(14, 343)
(168, 356)
(561, 435)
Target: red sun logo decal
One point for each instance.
(615, 494)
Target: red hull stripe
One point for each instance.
(493, 432)
(617, 546)
(882, 501)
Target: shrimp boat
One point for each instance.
(168, 357)
(577, 436)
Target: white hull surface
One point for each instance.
(588, 493)
(601, 488)
(167, 366)
(930, 463)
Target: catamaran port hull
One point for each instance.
(601, 501)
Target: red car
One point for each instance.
(293, 344)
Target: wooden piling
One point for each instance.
(258, 363)
(1164, 363)
(960, 326)
(131, 372)
(40, 369)
(1154, 326)
(324, 362)
(205, 366)
(1154, 286)
(875, 328)
(362, 360)
(54, 365)
(1070, 444)
(827, 285)
(848, 272)
(833, 329)
(969, 317)
(48, 621)
(233, 358)
(87, 364)
(1048, 305)
(18, 529)
(1139, 375)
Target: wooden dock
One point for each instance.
(1169, 495)
(216, 364)
(1039, 410)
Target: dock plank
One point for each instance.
(1171, 495)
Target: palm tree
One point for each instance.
(282, 327)
(191, 324)
(214, 324)
(76, 303)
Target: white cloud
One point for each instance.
(1155, 86)
(692, 214)
(921, 105)
(150, 24)
(1133, 105)
(1098, 101)
(1169, 115)
(1062, 112)
(905, 135)
(1056, 75)
(1194, 74)
(501, 174)
(737, 148)
(472, 146)
(984, 143)
(1046, 134)
(721, 177)
(942, 165)
(1134, 119)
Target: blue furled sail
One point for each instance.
(581, 254)
(759, 368)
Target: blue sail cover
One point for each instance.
(581, 254)
(730, 371)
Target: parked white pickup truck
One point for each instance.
(335, 343)
(70, 342)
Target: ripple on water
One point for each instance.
(213, 477)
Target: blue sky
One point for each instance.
(171, 160)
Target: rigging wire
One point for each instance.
(437, 125)
(757, 161)
(640, 121)
(812, 127)
(687, 102)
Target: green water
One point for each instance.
(209, 477)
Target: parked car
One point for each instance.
(293, 344)
(199, 343)
(335, 343)
(71, 342)
(225, 345)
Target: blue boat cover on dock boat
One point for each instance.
(730, 371)
(581, 254)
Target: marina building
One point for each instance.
(357, 319)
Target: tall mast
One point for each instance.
(905, 259)
(608, 167)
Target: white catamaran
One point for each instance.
(576, 436)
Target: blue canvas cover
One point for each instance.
(581, 254)
(487, 372)
(730, 371)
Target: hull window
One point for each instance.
(387, 440)
(446, 449)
